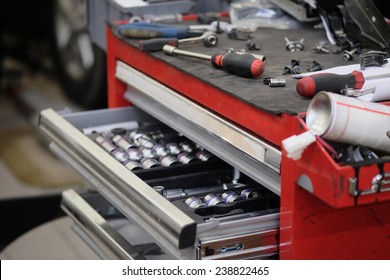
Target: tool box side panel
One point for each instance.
(325, 222)
(339, 185)
(310, 229)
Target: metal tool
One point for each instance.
(194, 202)
(372, 58)
(230, 196)
(292, 68)
(348, 55)
(274, 82)
(316, 66)
(212, 199)
(244, 65)
(356, 93)
(294, 46)
(209, 39)
(310, 85)
(144, 30)
(321, 47)
(168, 160)
(250, 193)
(186, 158)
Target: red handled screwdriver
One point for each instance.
(310, 85)
(243, 65)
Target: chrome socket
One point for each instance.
(228, 197)
(212, 199)
(185, 158)
(134, 154)
(132, 165)
(173, 148)
(250, 193)
(146, 152)
(203, 155)
(194, 202)
(159, 150)
(168, 160)
(148, 163)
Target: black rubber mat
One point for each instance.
(274, 100)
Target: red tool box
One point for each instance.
(328, 210)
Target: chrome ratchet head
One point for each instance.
(210, 39)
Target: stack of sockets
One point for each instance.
(141, 149)
(226, 197)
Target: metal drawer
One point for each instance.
(179, 233)
(112, 236)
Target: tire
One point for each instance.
(80, 64)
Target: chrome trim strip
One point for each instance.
(101, 232)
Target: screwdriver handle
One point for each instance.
(310, 85)
(244, 65)
(157, 44)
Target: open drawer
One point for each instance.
(163, 199)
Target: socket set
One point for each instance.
(147, 148)
(206, 201)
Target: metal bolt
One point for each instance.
(252, 45)
(320, 47)
(348, 55)
(292, 68)
(294, 46)
(315, 67)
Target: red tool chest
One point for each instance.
(328, 210)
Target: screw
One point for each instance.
(292, 68)
(315, 67)
(320, 47)
(348, 55)
(347, 45)
(294, 46)
(252, 45)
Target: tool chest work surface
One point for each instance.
(274, 100)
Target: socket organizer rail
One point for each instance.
(181, 231)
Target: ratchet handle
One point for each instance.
(243, 65)
(156, 44)
(310, 85)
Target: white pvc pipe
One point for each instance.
(349, 120)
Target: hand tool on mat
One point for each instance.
(209, 39)
(310, 85)
(243, 65)
(144, 30)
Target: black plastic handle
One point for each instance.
(157, 44)
(244, 65)
(309, 86)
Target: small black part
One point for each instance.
(118, 131)
(315, 67)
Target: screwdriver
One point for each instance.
(243, 65)
(310, 85)
(142, 30)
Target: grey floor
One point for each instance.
(55, 239)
